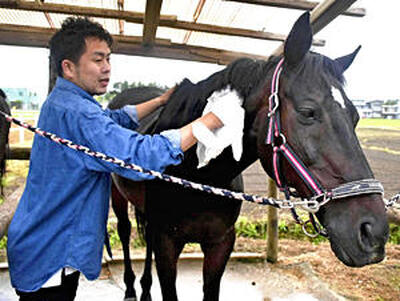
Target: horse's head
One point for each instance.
(318, 122)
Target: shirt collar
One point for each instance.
(63, 83)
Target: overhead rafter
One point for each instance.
(30, 36)
(47, 15)
(300, 4)
(151, 21)
(326, 11)
(135, 17)
(196, 16)
(120, 5)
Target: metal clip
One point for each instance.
(317, 202)
(275, 98)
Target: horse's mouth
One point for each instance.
(354, 257)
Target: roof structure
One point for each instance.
(213, 31)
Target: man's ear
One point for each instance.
(69, 69)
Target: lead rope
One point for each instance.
(282, 204)
(311, 205)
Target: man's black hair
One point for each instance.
(70, 41)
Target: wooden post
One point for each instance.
(52, 75)
(7, 210)
(272, 227)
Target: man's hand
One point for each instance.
(145, 108)
(163, 98)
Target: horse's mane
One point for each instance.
(189, 99)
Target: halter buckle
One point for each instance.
(282, 137)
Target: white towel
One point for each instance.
(226, 104)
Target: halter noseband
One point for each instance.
(280, 146)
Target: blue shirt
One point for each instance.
(62, 215)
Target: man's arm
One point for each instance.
(145, 108)
(210, 120)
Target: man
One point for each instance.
(59, 227)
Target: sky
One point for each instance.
(373, 74)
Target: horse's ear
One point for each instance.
(344, 62)
(299, 40)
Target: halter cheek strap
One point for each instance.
(278, 141)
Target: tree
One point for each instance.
(118, 87)
(16, 104)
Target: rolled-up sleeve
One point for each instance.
(125, 117)
(174, 136)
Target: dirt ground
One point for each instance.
(376, 282)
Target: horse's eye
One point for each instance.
(307, 113)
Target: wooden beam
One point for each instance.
(231, 31)
(138, 18)
(128, 16)
(322, 15)
(120, 5)
(29, 36)
(327, 11)
(300, 4)
(151, 21)
(196, 16)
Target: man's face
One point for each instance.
(92, 73)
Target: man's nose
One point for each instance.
(106, 67)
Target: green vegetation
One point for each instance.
(257, 229)
(394, 237)
(15, 169)
(25, 114)
(115, 242)
(393, 124)
(3, 242)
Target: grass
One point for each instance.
(393, 124)
(15, 169)
(25, 114)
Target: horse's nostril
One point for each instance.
(366, 237)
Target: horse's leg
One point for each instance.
(166, 251)
(147, 280)
(120, 206)
(215, 258)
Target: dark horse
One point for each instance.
(318, 127)
(4, 130)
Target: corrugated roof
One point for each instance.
(213, 12)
